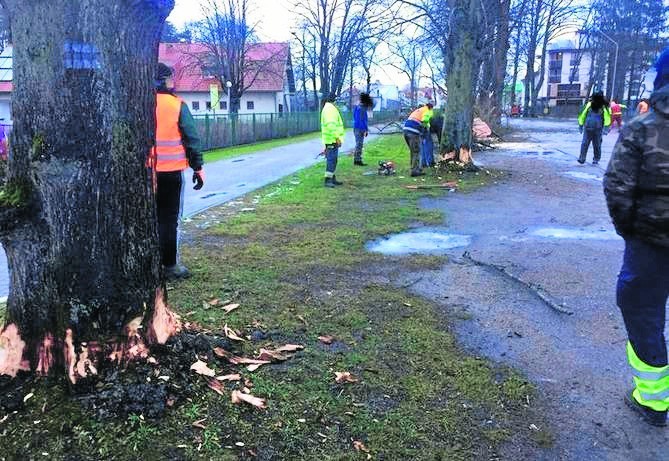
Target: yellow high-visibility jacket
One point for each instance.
(332, 126)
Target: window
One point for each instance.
(250, 105)
(572, 91)
(223, 105)
(208, 105)
(555, 68)
(196, 105)
(573, 75)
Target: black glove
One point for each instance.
(198, 179)
(580, 129)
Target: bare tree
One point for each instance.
(337, 27)
(77, 212)
(228, 49)
(408, 59)
(639, 29)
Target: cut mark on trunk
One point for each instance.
(426, 242)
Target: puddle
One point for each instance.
(429, 242)
(238, 160)
(586, 176)
(575, 234)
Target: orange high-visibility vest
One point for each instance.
(169, 151)
(419, 114)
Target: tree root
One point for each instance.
(535, 289)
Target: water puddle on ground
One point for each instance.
(425, 242)
(582, 175)
(575, 234)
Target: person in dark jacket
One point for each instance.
(636, 185)
(360, 126)
(177, 147)
(594, 119)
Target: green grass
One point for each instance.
(236, 151)
(297, 265)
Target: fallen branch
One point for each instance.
(446, 185)
(537, 290)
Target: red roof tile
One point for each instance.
(188, 76)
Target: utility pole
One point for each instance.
(615, 63)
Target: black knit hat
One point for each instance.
(163, 72)
(366, 100)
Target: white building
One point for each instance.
(6, 75)
(566, 80)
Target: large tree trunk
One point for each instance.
(81, 242)
(456, 140)
(500, 61)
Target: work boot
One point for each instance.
(335, 182)
(329, 182)
(415, 173)
(359, 163)
(652, 417)
(595, 162)
(176, 272)
(581, 161)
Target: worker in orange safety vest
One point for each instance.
(177, 146)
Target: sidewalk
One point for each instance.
(232, 178)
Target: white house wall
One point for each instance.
(263, 102)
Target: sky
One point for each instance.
(273, 17)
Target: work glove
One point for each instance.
(580, 129)
(198, 179)
(338, 142)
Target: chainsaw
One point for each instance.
(386, 168)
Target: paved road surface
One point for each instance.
(231, 178)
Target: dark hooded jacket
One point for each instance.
(636, 183)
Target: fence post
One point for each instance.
(271, 126)
(254, 128)
(207, 132)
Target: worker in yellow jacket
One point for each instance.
(594, 119)
(332, 134)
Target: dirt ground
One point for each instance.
(525, 224)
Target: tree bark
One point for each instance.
(462, 76)
(83, 256)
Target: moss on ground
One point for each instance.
(298, 268)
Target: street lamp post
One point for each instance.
(228, 85)
(615, 62)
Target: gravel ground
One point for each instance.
(577, 361)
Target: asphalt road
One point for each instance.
(232, 178)
(547, 224)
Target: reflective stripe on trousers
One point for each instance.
(651, 383)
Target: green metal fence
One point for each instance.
(232, 130)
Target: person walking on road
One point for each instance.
(360, 126)
(177, 147)
(594, 119)
(636, 185)
(332, 134)
(617, 113)
(414, 129)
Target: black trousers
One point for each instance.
(594, 137)
(168, 200)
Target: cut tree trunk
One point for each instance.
(456, 141)
(81, 241)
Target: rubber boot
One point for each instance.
(359, 163)
(329, 183)
(652, 417)
(335, 182)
